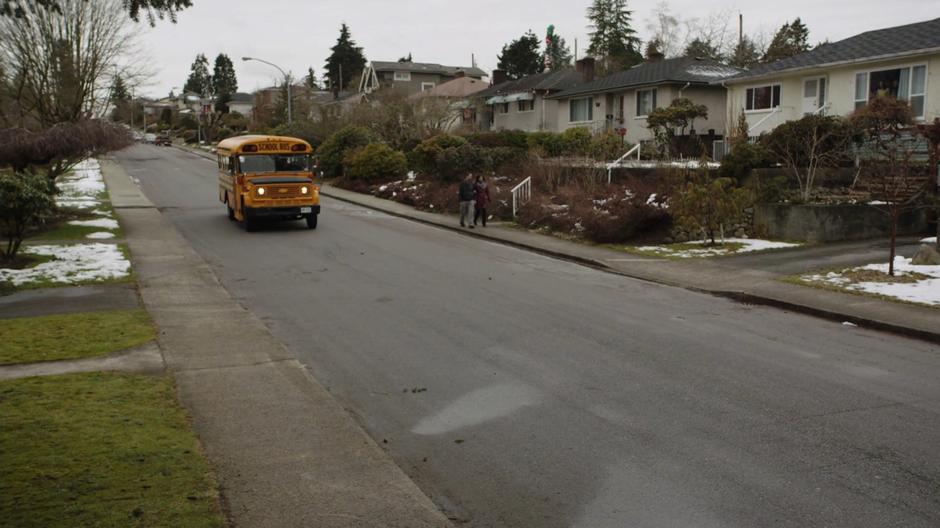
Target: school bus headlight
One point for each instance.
(260, 191)
(304, 190)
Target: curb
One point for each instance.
(738, 296)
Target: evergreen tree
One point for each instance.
(345, 63)
(521, 57)
(791, 39)
(199, 81)
(224, 83)
(700, 48)
(119, 91)
(745, 54)
(654, 51)
(557, 53)
(613, 38)
(310, 80)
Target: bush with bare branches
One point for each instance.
(57, 149)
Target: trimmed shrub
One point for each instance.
(576, 141)
(455, 163)
(628, 219)
(546, 144)
(607, 146)
(744, 157)
(376, 161)
(333, 151)
(503, 138)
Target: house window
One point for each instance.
(763, 97)
(402, 76)
(907, 84)
(427, 86)
(525, 106)
(645, 102)
(502, 108)
(581, 110)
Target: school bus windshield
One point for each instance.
(274, 163)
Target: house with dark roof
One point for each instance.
(523, 104)
(623, 100)
(838, 77)
(409, 78)
(242, 103)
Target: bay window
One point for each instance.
(907, 84)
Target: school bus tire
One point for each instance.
(312, 221)
(231, 212)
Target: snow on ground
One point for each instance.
(100, 235)
(79, 189)
(71, 264)
(103, 223)
(930, 240)
(737, 245)
(924, 291)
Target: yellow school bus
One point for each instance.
(268, 177)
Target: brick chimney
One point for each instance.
(585, 67)
(460, 73)
(499, 77)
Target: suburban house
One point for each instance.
(408, 78)
(837, 78)
(456, 95)
(522, 104)
(623, 100)
(242, 103)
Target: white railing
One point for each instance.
(521, 194)
(822, 108)
(614, 164)
(750, 131)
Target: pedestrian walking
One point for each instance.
(466, 195)
(482, 194)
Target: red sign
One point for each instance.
(622, 131)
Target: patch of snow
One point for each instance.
(79, 188)
(100, 235)
(104, 223)
(929, 240)
(877, 202)
(925, 291)
(76, 203)
(73, 263)
(651, 200)
(748, 245)
(102, 212)
(714, 72)
(846, 323)
(411, 176)
(382, 188)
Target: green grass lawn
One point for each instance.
(101, 449)
(62, 230)
(72, 336)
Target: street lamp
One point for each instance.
(286, 79)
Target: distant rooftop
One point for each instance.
(427, 67)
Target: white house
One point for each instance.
(837, 78)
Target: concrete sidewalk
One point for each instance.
(708, 276)
(285, 451)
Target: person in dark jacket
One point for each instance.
(467, 196)
(482, 192)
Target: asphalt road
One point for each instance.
(518, 390)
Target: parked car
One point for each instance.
(163, 139)
(150, 138)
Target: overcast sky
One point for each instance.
(296, 34)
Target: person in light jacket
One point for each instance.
(482, 194)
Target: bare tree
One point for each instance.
(809, 144)
(59, 63)
(891, 174)
(664, 27)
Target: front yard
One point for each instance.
(911, 283)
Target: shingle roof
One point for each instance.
(242, 97)
(887, 42)
(679, 70)
(551, 81)
(427, 67)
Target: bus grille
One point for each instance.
(276, 192)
